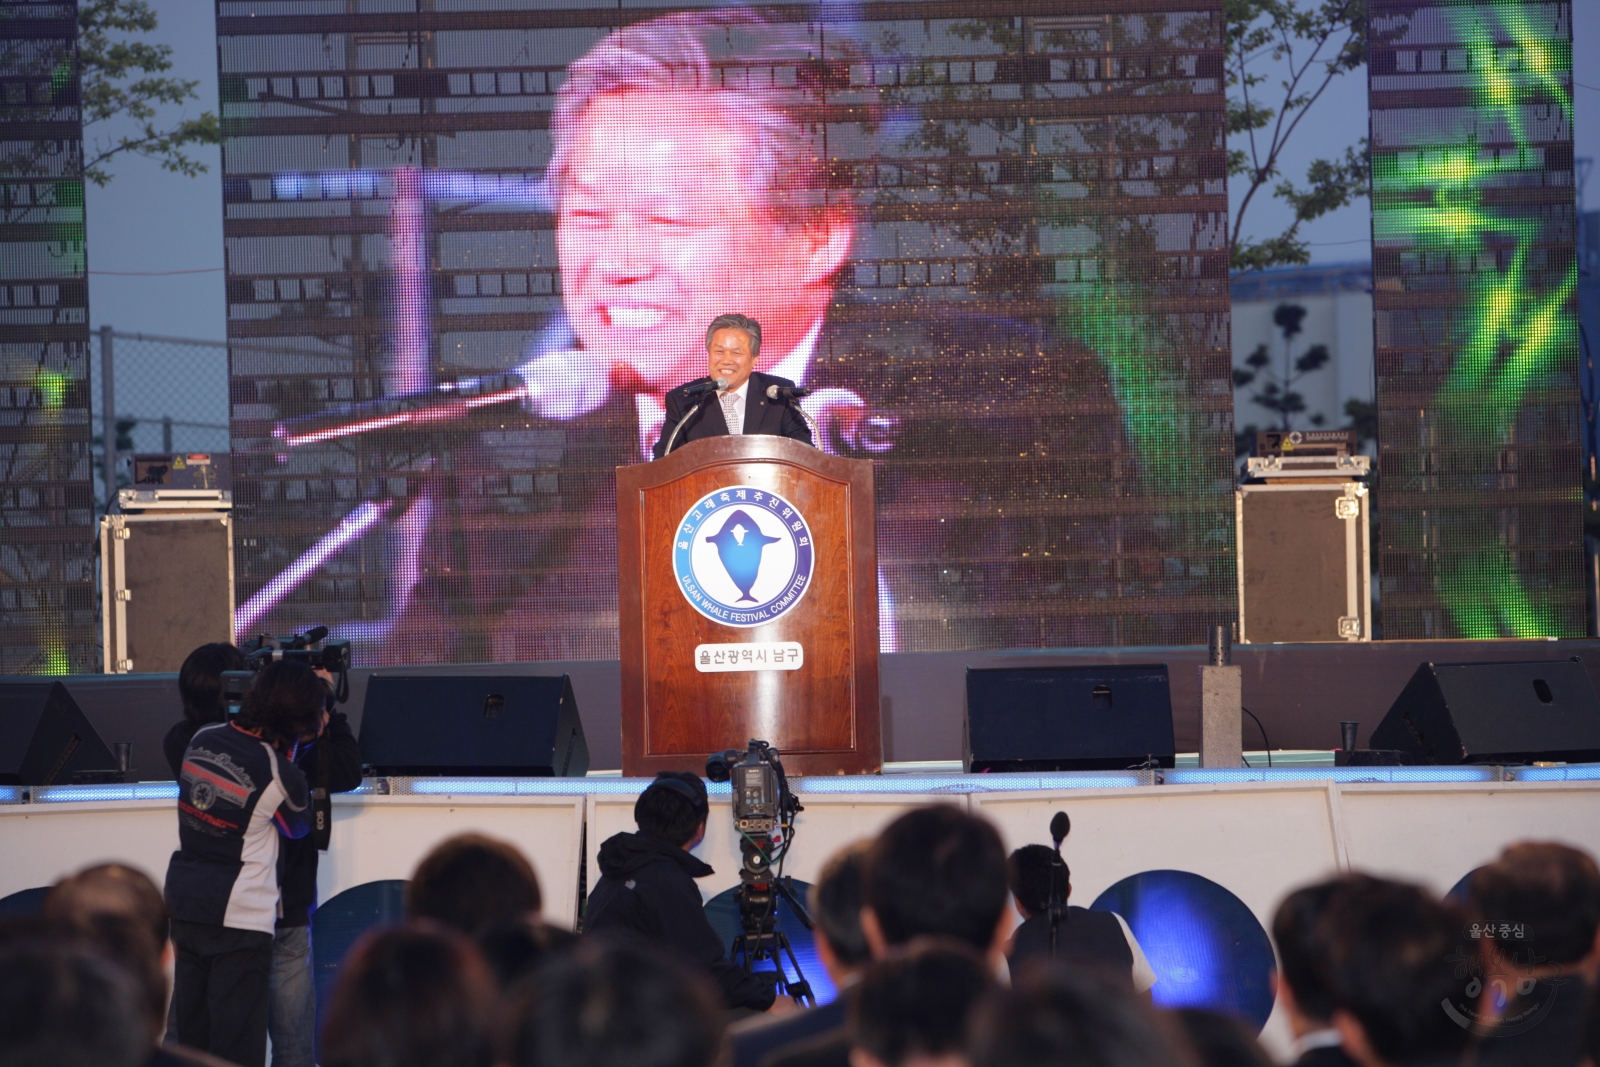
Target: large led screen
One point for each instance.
(1475, 295)
(471, 245)
(47, 506)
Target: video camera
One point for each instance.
(763, 812)
(313, 648)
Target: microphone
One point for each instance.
(709, 385)
(446, 402)
(789, 394)
(315, 634)
(1060, 827)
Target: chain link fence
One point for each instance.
(167, 394)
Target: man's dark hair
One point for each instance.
(937, 870)
(1220, 1040)
(62, 1005)
(733, 321)
(836, 903)
(119, 911)
(611, 1005)
(918, 1003)
(1551, 890)
(1302, 946)
(1389, 965)
(471, 883)
(1061, 1015)
(1028, 871)
(200, 681)
(284, 702)
(672, 807)
(411, 996)
(110, 889)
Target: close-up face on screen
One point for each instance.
(993, 248)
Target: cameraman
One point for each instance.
(646, 889)
(331, 762)
(238, 793)
(200, 686)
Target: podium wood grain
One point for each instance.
(823, 717)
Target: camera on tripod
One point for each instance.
(763, 812)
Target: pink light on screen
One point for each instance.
(412, 370)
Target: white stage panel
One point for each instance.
(384, 837)
(41, 843)
(1435, 834)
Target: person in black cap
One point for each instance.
(646, 892)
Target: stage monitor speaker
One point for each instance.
(472, 725)
(1494, 713)
(1067, 718)
(44, 736)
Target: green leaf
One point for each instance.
(123, 84)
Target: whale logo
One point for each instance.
(743, 555)
(739, 546)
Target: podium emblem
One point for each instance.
(743, 556)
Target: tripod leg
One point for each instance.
(800, 989)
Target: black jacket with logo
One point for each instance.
(646, 890)
(297, 857)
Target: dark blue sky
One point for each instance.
(150, 220)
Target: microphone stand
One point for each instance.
(816, 434)
(1058, 906)
(794, 402)
(665, 452)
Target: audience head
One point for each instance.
(471, 883)
(1059, 1015)
(284, 703)
(200, 681)
(110, 889)
(674, 808)
(912, 1009)
(411, 996)
(609, 1005)
(1552, 890)
(1029, 871)
(1389, 949)
(1301, 936)
(62, 1005)
(119, 911)
(935, 871)
(1220, 1041)
(836, 907)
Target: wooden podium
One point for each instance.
(748, 607)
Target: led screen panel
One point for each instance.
(47, 543)
(994, 247)
(1474, 293)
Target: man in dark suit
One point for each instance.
(934, 872)
(1393, 965)
(741, 406)
(1540, 901)
(1301, 934)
